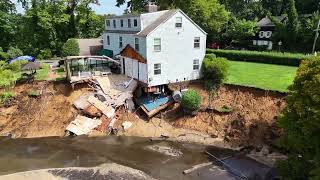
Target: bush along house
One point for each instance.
(266, 28)
(156, 48)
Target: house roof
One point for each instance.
(266, 21)
(31, 66)
(152, 21)
(130, 52)
(90, 46)
(162, 19)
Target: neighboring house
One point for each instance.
(266, 30)
(90, 47)
(156, 48)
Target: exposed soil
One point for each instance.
(45, 115)
(251, 122)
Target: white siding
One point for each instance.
(135, 69)
(177, 52)
(126, 39)
(125, 24)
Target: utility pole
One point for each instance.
(316, 38)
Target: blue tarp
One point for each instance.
(20, 58)
(152, 103)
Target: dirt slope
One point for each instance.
(46, 115)
(253, 120)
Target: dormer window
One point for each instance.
(121, 22)
(108, 23)
(129, 23)
(135, 23)
(178, 22)
(114, 24)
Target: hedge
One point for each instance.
(279, 58)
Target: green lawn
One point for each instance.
(43, 73)
(264, 76)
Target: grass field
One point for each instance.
(42, 74)
(264, 76)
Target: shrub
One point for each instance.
(301, 123)
(8, 78)
(6, 96)
(290, 59)
(45, 54)
(3, 56)
(1, 50)
(191, 101)
(210, 56)
(215, 71)
(71, 48)
(14, 52)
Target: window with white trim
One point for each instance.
(136, 44)
(157, 44)
(120, 42)
(108, 40)
(135, 23)
(108, 23)
(178, 22)
(114, 23)
(129, 23)
(196, 64)
(157, 69)
(121, 22)
(196, 43)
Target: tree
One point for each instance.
(14, 52)
(215, 71)
(241, 30)
(71, 48)
(293, 22)
(301, 123)
(191, 101)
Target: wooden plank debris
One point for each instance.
(106, 110)
(81, 103)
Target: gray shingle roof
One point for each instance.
(90, 46)
(157, 22)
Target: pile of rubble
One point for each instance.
(99, 108)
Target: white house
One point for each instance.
(156, 48)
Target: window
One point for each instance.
(157, 44)
(108, 23)
(114, 24)
(120, 42)
(157, 69)
(268, 34)
(196, 64)
(178, 22)
(129, 23)
(261, 34)
(108, 40)
(196, 43)
(121, 22)
(135, 23)
(136, 44)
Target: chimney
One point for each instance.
(151, 7)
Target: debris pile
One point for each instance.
(99, 108)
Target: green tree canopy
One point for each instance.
(71, 48)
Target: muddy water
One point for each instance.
(17, 155)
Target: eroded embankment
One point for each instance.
(251, 121)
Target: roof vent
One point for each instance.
(151, 7)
